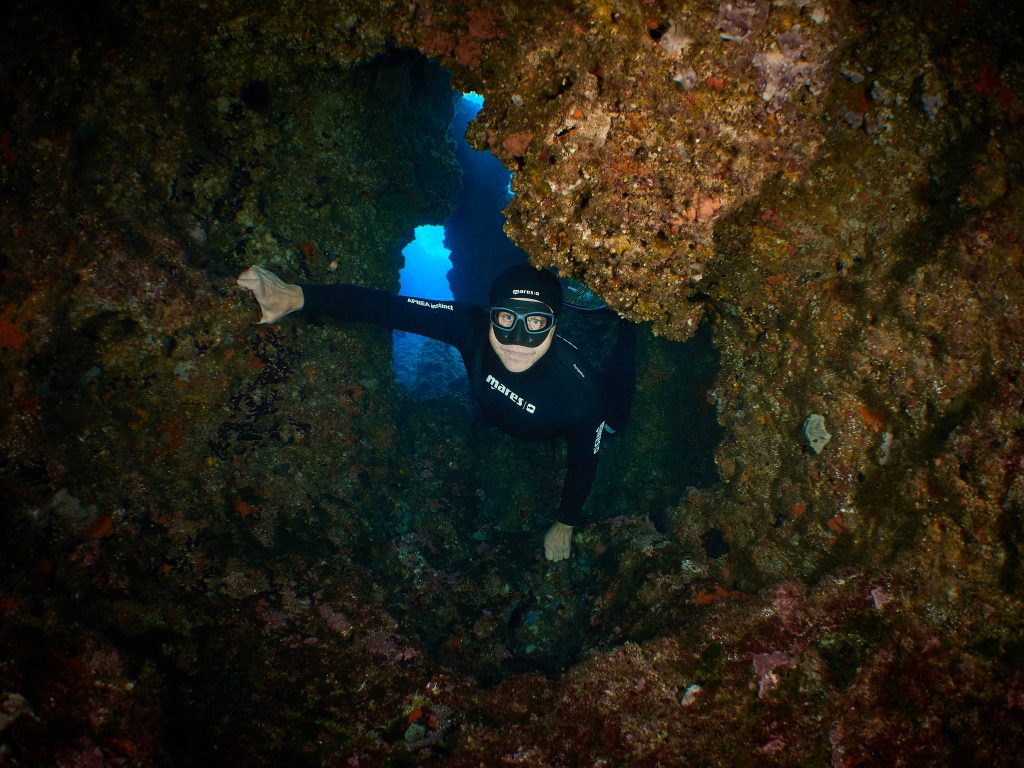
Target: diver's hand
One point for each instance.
(557, 542)
(276, 297)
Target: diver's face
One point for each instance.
(519, 357)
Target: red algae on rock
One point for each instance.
(11, 336)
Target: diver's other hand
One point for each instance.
(275, 297)
(557, 542)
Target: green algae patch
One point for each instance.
(846, 650)
(710, 663)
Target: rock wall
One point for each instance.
(237, 543)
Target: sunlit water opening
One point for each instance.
(426, 265)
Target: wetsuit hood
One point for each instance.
(525, 282)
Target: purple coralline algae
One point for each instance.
(736, 21)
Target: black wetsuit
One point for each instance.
(557, 396)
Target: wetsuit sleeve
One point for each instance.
(445, 321)
(583, 440)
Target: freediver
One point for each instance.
(528, 381)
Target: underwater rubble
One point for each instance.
(226, 541)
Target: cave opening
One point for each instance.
(480, 501)
(457, 259)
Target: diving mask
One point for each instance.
(521, 323)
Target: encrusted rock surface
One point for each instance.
(233, 543)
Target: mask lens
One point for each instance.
(503, 318)
(534, 322)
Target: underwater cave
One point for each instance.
(300, 543)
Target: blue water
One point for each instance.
(421, 366)
(426, 265)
